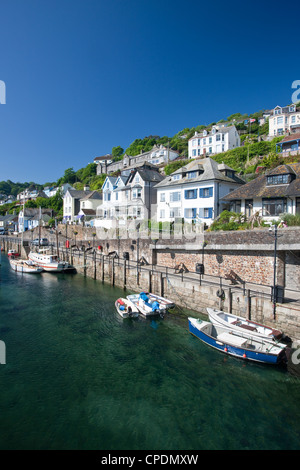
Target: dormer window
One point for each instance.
(292, 108)
(192, 174)
(175, 177)
(278, 179)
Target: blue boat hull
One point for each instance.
(243, 353)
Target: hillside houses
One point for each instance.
(219, 139)
(158, 155)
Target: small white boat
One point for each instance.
(48, 262)
(146, 306)
(237, 345)
(24, 266)
(126, 309)
(163, 302)
(217, 317)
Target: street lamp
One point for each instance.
(275, 287)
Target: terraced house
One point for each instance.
(131, 195)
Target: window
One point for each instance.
(192, 174)
(175, 196)
(206, 192)
(235, 206)
(204, 141)
(218, 137)
(175, 212)
(280, 120)
(175, 177)
(162, 197)
(190, 194)
(162, 214)
(273, 206)
(210, 150)
(293, 119)
(208, 213)
(194, 153)
(210, 140)
(278, 179)
(190, 213)
(136, 193)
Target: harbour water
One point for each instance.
(78, 376)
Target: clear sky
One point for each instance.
(83, 76)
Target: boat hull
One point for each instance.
(241, 351)
(242, 325)
(122, 308)
(45, 262)
(143, 308)
(21, 267)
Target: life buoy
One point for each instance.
(221, 293)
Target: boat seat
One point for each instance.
(229, 338)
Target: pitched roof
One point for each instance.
(258, 187)
(210, 170)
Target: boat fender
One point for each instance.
(221, 293)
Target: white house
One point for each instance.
(88, 207)
(194, 192)
(284, 120)
(270, 195)
(72, 203)
(219, 139)
(129, 196)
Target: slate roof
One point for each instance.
(258, 187)
(211, 171)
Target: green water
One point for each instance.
(78, 376)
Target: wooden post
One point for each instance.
(248, 305)
(102, 268)
(95, 267)
(161, 285)
(113, 272)
(124, 274)
(150, 281)
(229, 300)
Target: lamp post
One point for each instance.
(275, 287)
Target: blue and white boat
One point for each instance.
(146, 305)
(235, 344)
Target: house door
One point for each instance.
(248, 207)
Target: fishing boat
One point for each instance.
(234, 344)
(126, 309)
(146, 306)
(24, 266)
(217, 317)
(49, 262)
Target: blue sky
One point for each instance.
(83, 76)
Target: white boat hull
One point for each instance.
(22, 266)
(49, 263)
(126, 309)
(242, 325)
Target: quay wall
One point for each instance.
(189, 295)
(244, 256)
